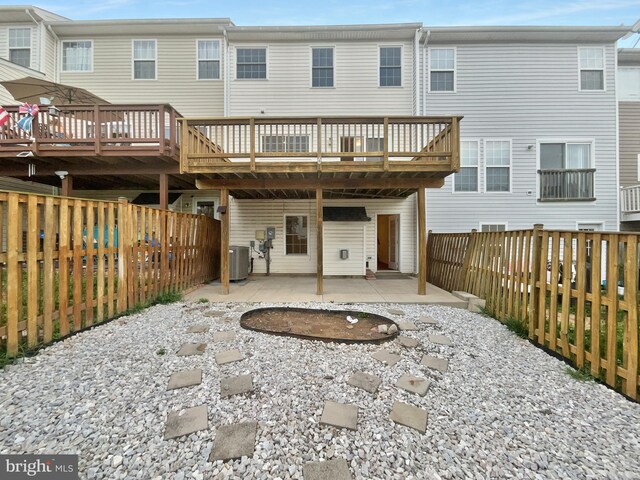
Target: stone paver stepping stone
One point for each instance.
(441, 364)
(408, 342)
(192, 420)
(331, 469)
(407, 326)
(234, 441)
(409, 416)
(395, 311)
(224, 336)
(365, 381)
(339, 415)
(440, 340)
(387, 357)
(198, 329)
(428, 320)
(235, 385)
(214, 313)
(188, 349)
(413, 384)
(185, 378)
(229, 356)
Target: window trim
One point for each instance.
(266, 62)
(478, 166)
(133, 59)
(481, 224)
(567, 140)
(284, 234)
(594, 222)
(604, 69)
(311, 47)
(392, 45)
(484, 158)
(9, 48)
(217, 40)
(62, 69)
(455, 71)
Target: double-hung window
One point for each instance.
(497, 155)
(77, 56)
(296, 234)
(565, 171)
(285, 143)
(466, 180)
(322, 67)
(208, 59)
(591, 68)
(390, 66)
(144, 59)
(442, 65)
(251, 63)
(20, 46)
(493, 227)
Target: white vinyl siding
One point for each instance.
(20, 46)
(591, 60)
(497, 161)
(208, 52)
(390, 66)
(145, 60)
(442, 70)
(77, 56)
(348, 236)
(322, 61)
(467, 179)
(251, 63)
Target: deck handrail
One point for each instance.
(630, 199)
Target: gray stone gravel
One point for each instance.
(504, 409)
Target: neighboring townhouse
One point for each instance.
(629, 125)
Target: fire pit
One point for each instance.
(332, 325)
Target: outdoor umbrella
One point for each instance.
(30, 89)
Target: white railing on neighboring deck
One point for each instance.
(630, 199)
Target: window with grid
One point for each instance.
(493, 227)
(390, 66)
(285, 143)
(251, 63)
(591, 68)
(466, 180)
(144, 59)
(442, 63)
(375, 144)
(77, 56)
(322, 67)
(498, 165)
(20, 46)
(296, 234)
(208, 60)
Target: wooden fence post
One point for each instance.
(535, 274)
(123, 253)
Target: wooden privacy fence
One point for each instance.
(67, 263)
(576, 292)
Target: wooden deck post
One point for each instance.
(164, 191)
(422, 242)
(67, 186)
(224, 241)
(319, 244)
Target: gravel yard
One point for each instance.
(504, 409)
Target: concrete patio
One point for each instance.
(340, 290)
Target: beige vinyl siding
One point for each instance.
(287, 89)
(51, 56)
(176, 82)
(525, 93)
(247, 216)
(629, 113)
(344, 235)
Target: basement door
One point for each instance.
(388, 242)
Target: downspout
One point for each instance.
(416, 71)
(618, 183)
(424, 71)
(225, 87)
(57, 66)
(423, 82)
(41, 38)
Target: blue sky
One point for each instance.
(310, 12)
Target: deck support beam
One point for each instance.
(319, 244)
(164, 191)
(67, 186)
(422, 242)
(224, 240)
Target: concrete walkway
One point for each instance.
(302, 289)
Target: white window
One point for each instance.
(144, 60)
(20, 46)
(497, 165)
(285, 143)
(442, 65)
(322, 67)
(77, 56)
(590, 226)
(296, 234)
(566, 171)
(493, 227)
(390, 66)
(466, 180)
(208, 59)
(251, 63)
(629, 83)
(591, 68)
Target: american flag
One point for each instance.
(4, 116)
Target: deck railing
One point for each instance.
(558, 185)
(257, 140)
(97, 129)
(575, 293)
(630, 199)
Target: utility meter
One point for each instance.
(271, 233)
